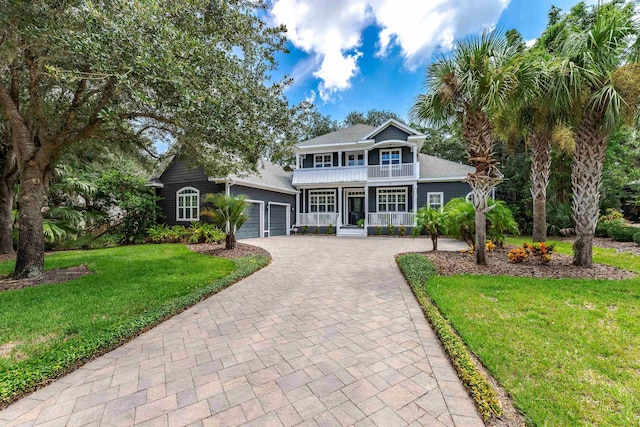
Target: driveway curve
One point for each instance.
(328, 334)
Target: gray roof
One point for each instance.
(269, 175)
(351, 134)
(432, 167)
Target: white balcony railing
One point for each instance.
(391, 218)
(319, 219)
(383, 172)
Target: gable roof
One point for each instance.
(269, 176)
(351, 134)
(436, 169)
(392, 122)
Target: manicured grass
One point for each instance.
(55, 327)
(568, 351)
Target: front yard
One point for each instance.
(48, 330)
(567, 350)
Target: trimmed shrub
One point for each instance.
(622, 233)
(602, 230)
(636, 238)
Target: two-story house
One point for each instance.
(371, 176)
(354, 179)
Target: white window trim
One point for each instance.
(391, 151)
(178, 195)
(355, 155)
(439, 193)
(325, 192)
(398, 190)
(322, 163)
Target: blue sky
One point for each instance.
(364, 54)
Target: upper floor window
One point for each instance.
(188, 204)
(435, 200)
(323, 160)
(322, 201)
(392, 199)
(355, 159)
(390, 157)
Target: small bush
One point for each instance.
(390, 230)
(622, 233)
(316, 231)
(402, 230)
(602, 229)
(329, 229)
(540, 250)
(360, 223)
(518, 255)
(305, 229)
(636, 238)
(490, 246)
(378, 229)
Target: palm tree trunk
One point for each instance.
(586, 174)
(540, 143)
(478, 135)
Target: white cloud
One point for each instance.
(331, 30)
(530, 42)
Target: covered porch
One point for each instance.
(357, 207)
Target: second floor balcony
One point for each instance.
(356, 174)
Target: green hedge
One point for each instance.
(636, 238)
(622, 233)
(418, 270)
(34, 372)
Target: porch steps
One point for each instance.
(352, 232)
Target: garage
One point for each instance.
(251, 228)
(278, 219)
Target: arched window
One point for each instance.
(188, 204)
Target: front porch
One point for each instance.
(352, 211)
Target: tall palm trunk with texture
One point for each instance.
(540, 145)
(478, 135)
(586, 175)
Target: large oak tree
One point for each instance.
(195, 70)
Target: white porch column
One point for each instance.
(339, 158)
(297, 161)
(366, 206)
(304, 200)
(340, 215)
(415, 203)
(297, 209)
(366, 157)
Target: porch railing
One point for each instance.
(391, 218)
(319, 219)
(403, 170)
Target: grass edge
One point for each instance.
(36, 376)
(477, 385)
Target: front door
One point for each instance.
(356, 210)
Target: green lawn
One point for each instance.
(54, 327)
(568, 351)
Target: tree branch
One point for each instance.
(36, 100)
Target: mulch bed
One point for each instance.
(560, 267)
(241, 250)
(56, 276)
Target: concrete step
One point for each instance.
(352, 232)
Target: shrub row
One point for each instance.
(622, 233)
(64, 357)
(197, 232)
(417, 269)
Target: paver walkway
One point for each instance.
(328, 334)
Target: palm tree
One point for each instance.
(229, 213)
(466, 86)
(432, 221)
(528, 114)
(584, 87)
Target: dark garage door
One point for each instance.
(277, 220)
(251, 228)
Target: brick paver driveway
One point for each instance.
(328, 334)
